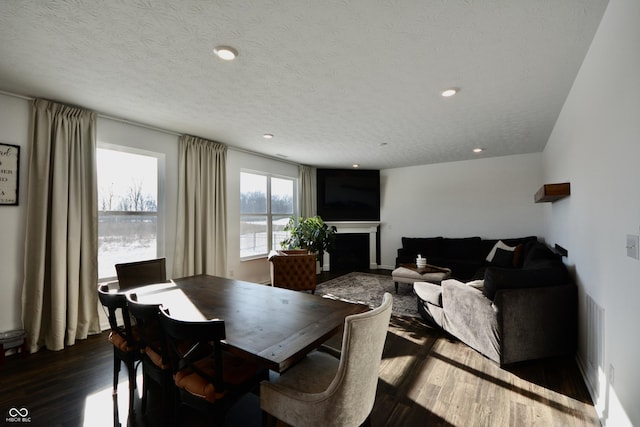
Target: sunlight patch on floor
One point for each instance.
(99, 406)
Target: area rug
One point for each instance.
(366, 288)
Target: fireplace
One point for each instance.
(367, 230)
(351, 252)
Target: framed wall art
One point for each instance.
(9, 173)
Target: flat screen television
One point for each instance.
(348, 194)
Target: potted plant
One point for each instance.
(310, 233)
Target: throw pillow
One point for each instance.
(518, 256)
(503, 258)
(499, 245)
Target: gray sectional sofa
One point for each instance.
(509, 313)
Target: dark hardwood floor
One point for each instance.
(426, 378)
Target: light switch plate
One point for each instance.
(632, 246)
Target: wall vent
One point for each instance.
(595, 342)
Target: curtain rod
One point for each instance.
(266, 156)
(142, 125)
(170, 132)
(102, 115)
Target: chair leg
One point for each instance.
(116, 371)
(176, 404)
(268, 420)
(131, 367)
(145, 391)
(116, 413)
(167, 392)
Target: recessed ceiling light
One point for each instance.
(449, 92)
(267, 136)
(225, 52)
(478, 150)
(355, 165)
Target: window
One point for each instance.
(266, 204)
(129, 207)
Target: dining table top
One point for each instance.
(276, 327)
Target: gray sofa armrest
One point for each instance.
(471, 317)
(537, 322)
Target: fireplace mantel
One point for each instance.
(357, 227)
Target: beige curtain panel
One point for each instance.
(308, 192)
(59, 293)
(201, 238)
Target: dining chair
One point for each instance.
(155, 356)
(327, 389)
(140, 273)
(124, 338)
(209, 379)
(294, 270)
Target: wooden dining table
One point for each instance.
(276, 327)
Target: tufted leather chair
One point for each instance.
(294, 270)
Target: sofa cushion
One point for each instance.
(425, 246)
(503, 257)
(468, 248)
(499, 245)
(461, 269)
(550, 273)
(428, 292)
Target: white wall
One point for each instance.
(254, 270)
(490, 198)
(596, 146)
(15, 114)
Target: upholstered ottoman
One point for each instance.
(411, 274)
(429, 299)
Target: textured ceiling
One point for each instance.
(337, 81)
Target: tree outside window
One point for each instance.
(127, 208)
(266, 204)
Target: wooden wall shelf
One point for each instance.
(552, 192)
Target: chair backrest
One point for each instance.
(141, 273)
(190, 341)
(114, 302)
(148, 323)
(354, 386)
(295, 271)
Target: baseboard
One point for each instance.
(591, 388)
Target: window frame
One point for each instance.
(269, 215)
(160, 212)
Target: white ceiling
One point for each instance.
(336, 81)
